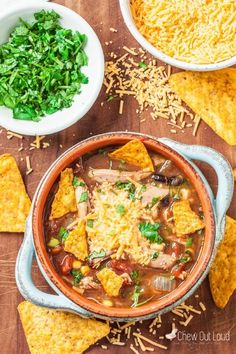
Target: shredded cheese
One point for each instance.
(199, 31)
(121, 230)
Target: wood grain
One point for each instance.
(102, 15)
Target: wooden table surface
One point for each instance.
(102, 15)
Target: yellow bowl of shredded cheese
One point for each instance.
(197, 35)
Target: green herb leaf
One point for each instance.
(95, 254)
(150, 231)
(120, 209)
(63, 234)
(135, 276)
(77, 275)
(185, 259)
(76, 183)
(90, 223)
(189, 242)
(155, 200)
(143, 188)
(142, 65)
(111, 98)
(155, 255)
(83, 197)
(135, 296)
(130, 187)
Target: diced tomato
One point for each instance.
(176, 248)
(66, 264)
(120, 266)
(177, 270)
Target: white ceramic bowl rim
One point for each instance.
(89, 92)
(129, 21)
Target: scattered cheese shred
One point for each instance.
(138, 335)
(133, 74)
(10, 135)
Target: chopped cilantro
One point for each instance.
(185, 259)
(130, 187)
(76, 183)
(142, 65)
(83, 197)
(155, 200)
(120, 209)
(143, 188)
(63, 234)
(135, 276)
(53, 56)
(155, 255)
(77, 275)
(150, 231)
(90, 223)
(111, 98)
(136, 294)
(189, 242)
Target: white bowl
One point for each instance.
(129, 21)
(95, 70)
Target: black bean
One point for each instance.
(171, 181)
(165, 201)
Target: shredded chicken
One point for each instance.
(163, 261)
(153, 192)
(88, 283)
(112, 176)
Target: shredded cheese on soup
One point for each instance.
(115, 225)
(196, 31)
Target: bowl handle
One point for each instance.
(224, 175)
(25, 283)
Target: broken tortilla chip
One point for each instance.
(64, 201)
(56, 332)
(222, 275)
(186, 220)
(135, 153)
(110, 281)
(76, 242)
(14, 201)
(212, 95)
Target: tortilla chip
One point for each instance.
(14, 201)
(111, 282)
(56, 332)
(135, 153)
(186, 220)
(76, 242)
(222, 275)
(212, 95)
(64, 201)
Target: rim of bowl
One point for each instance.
(33, 128)
(129, 21)
(40, 200)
